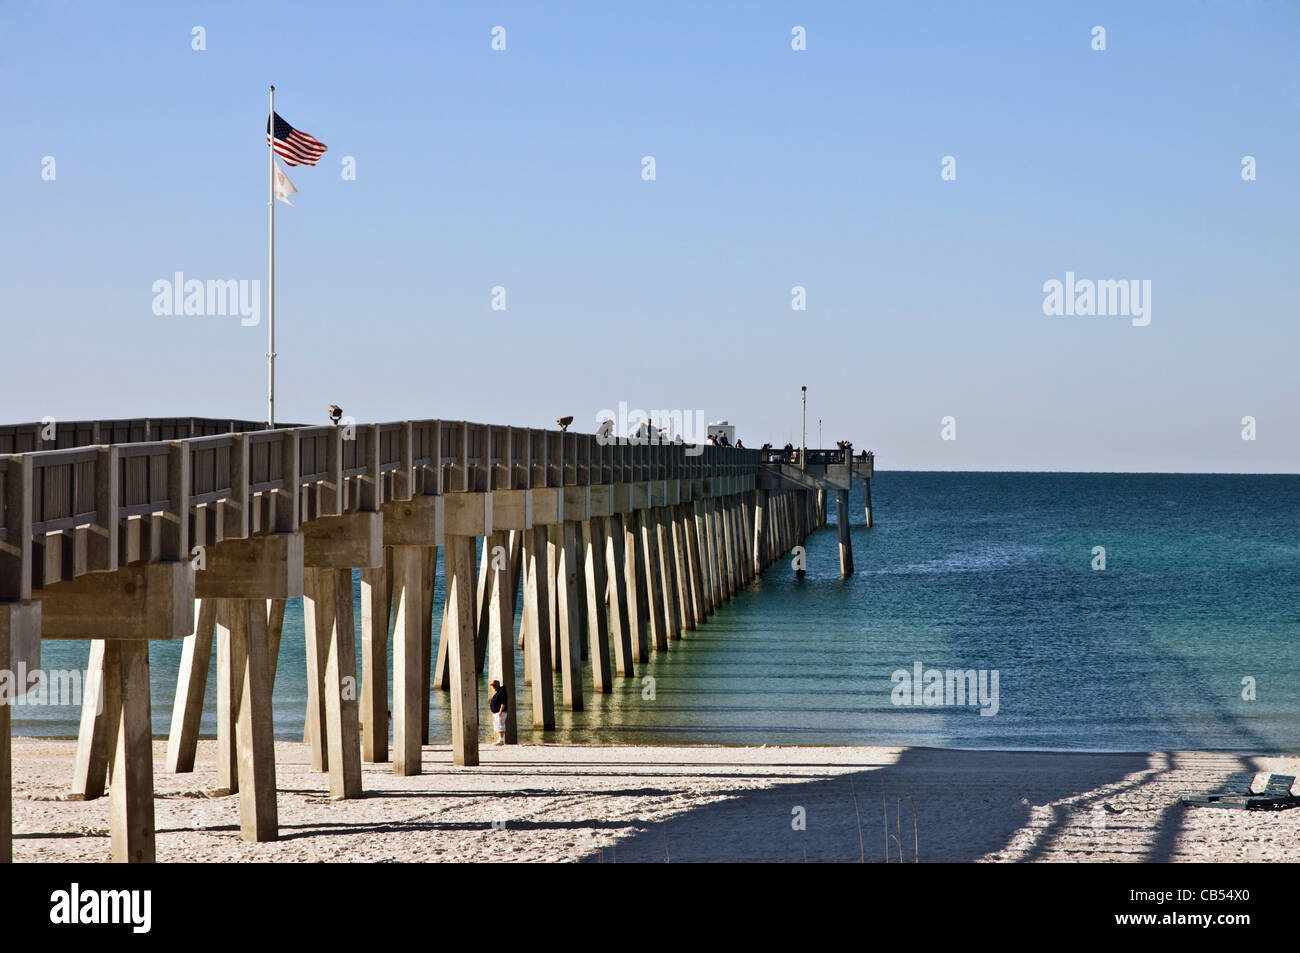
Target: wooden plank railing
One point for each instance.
(163, 486)
(29, 437)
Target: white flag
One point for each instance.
(283, 187)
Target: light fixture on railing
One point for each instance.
(336, 414)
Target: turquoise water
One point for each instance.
(988, 571)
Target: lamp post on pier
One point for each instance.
(803, 446)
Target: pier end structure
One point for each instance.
(821, 475)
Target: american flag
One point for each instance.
(292, 145)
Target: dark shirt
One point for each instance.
(498, 702)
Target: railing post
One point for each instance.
(371, 495)
(174, 532)
(16, 550)
(404, 475)
(102, 535)
(287, 497)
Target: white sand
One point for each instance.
(622, 803)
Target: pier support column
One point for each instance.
(428, 575)
(95, 740)
(694, 568)
(703, 563)
(745, 540)
(745, 537)
(6, 777)
(554, 552)
(6, 754)
(620, 630)
(724, 563)
(131, 815)
(482, 604)
(516, 582)
(682, 582)
(594, 591)
(570, 622)
(342, 745)
(317, 622)
(501, 630)
(274, 631)
(711, 544)
(719, 551)
(729, 544)
(6, 769)
(732, 540)
(732, 544)
(20, 651)
(866, 496)
(846, 545)
(441, 672)
(709, 576)
(796, 516)
(536, 626)
(647, 527)
(796, 537)
(376, 596)
(407, 679)
(245, 622)
(787, 523)
(787, 535)
(638, 611)
(191, 686)
(760, 506)
(230, 687)
(776, 501)
(462, 620)
(667, 573)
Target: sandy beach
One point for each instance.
(655, 804)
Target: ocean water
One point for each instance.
(1198, 602)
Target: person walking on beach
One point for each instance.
(498, 705)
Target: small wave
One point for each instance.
(982, 559)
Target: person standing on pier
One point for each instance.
(498, 705)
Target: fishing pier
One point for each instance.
(123, 532)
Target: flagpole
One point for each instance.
(270, 355)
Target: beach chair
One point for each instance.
(1279, 785)
(1237, 794)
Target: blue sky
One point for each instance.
(775, 168)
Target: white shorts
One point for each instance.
(499, 721)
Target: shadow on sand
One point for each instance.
(968, 805)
